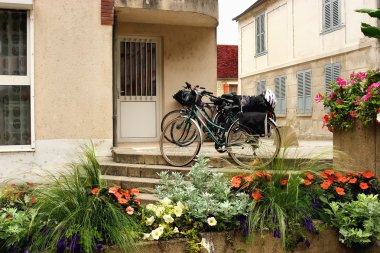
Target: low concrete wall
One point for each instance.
(361, 144)
(325, 242)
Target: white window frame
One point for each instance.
(28, 80)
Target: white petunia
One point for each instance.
(156, 234)
(378, 118)
(212, 221)
(147, 236)
(206, 245)
(161, 229)
(168, 218)
(178, 211)
(175, 230)
(166, 201)
(149, 221)
(159, 211)
(179, 204)
(151, 207)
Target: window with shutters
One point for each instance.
(280, 92)
(332, 72)
(260, 87)
(331, 15)
(260, 34)
(304, 101)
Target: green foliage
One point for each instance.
(70, 216)
(357, 221)
(368, 30)
(206, 194)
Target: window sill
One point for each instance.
(12, 149)
(333, 29)
(304, 114)
(261, 54)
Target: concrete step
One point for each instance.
(139, 170)
(147, 198)
(144, 184)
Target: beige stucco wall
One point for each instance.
(73, 71)
(188, 54)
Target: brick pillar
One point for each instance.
(107, 12)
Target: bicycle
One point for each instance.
(246, 146)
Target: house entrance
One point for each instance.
(139, 89)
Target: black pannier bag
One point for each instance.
(254, 104)
(254, 122)
(185, 97)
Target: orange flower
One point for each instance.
(18, 195)
(137, 201)
(340, 191)
(329, 172)
(342, 179)
(363, 186)
(95, 191)
(114, 189)
(284, 182)
(129, 210)
(236, 181)
(126, 194)
(324, 175)
(325, 185)
(259, 174)
(309, 176)
(256, 195)
(307, 182)
(353, 180)
(118, 195)
(9, 217)
(134, 191)
(368, 174)
(248, 179)
(122, 201)
(33, 199)
(29, 183)
(245, 186)
(378, 179)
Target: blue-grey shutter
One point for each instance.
(307, 87)
(262, 35)
(327, 15)
(277, 93)
(258, 32)
(300, 92)
(283, 94)
(335, 13)
(336, 71)
(328, 77)
(260, 87)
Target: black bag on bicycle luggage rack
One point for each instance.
(254, 104)
(255, 123)
(185, 97)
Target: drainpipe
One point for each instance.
(114, 82)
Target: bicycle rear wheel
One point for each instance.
(252, 150)
(180, 141)
(169, 117)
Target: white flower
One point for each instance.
(160, 228)
(159, 211)
(175, 230)
(168, 218)
(166, 201)
(149, 221)
(204, 244)
(211, 221)
(156, 234)
(147, 236)
(378, 118)
(179, 204)
(151, 207)
(178, 211)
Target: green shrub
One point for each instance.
(357, 221)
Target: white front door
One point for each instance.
(139, 89)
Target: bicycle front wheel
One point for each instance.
(251, 150)
(184, 141)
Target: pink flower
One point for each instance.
(130, 210)
(374, 85)
(339, 101)
(331, 96)
(318, 98)
(352, 75)
(366, 97)
(356, 101)
(341, 82)
(361, 75)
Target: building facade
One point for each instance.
(72, 71)
(296, 47)
(227, 69)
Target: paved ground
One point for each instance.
(305, 149)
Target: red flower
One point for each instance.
(236, 181)
(368, 174)
(352, 114)
(95, 191)
(324, 175)
(256, 195)
(325, 185)
(284, 182)
(307, 182)
(134, 191)
(325, 119)
(9, 217)
(353, 180)
(340, 191)
(18, 195)
(363, 186)
(309, 176)
(137, 201)
(33, 200)
(29, 183)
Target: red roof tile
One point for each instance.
(227, 61)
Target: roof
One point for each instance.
(227, 61)
(253, 6)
